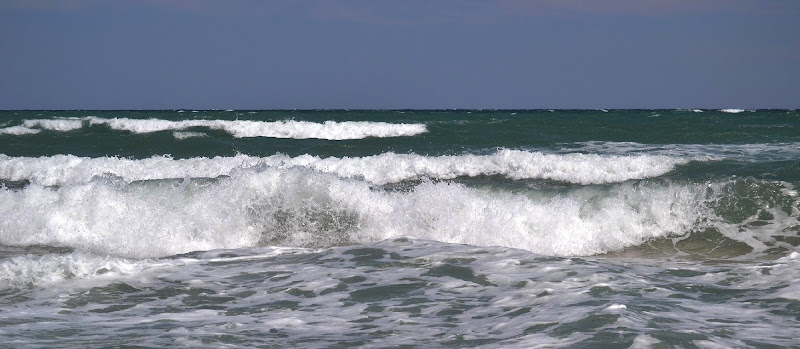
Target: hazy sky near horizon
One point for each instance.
(305, 54)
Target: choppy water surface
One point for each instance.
(629, 228)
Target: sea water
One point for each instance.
(446, 228)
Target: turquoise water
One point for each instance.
(445, 228)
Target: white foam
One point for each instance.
(187, 134)
(331, 130)
(378, 169)
(70, 169)
(300, 207)
(732, 111)
(587, 221)
(38, 271)
(125, 221)
(18, 130)
(58, 124)
(514, 164)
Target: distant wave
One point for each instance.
(331, 130)
(60, 124)
(18, 130)
(378, 169)
(732, 111)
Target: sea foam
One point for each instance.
(331, 130)
(732, 111)
(305, 208)
(378, 169)
(758, 152)
(187, 134)
(18, 130)
(37, 271)
(301, 207)
(58, 124)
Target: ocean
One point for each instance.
(400, 228)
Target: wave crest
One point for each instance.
(378, 169)
(330, 130)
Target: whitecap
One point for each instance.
(732, 111)
(378, 169)
(18, 130)
(331, 130)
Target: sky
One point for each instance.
(409, 54)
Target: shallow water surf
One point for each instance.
(303, 207)
(490, 228)
(400, 292)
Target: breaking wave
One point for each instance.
(300, 207)
(378, 169)
(330, 130)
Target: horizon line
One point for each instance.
(393, 109)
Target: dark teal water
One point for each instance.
(444, 228)
(448, 131)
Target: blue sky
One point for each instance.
(305, 54)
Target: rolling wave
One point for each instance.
(299, 207)
(304, 208)
(378, 169)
